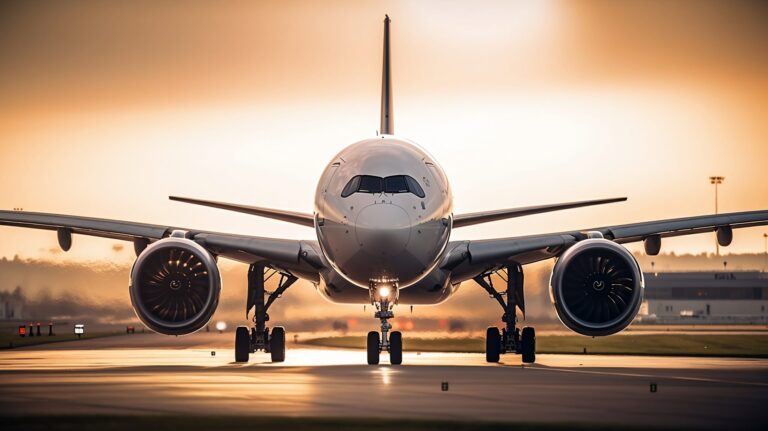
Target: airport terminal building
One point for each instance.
(705, 297)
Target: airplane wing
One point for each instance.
(469, 258)
(297, 256)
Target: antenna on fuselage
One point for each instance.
(387, 117)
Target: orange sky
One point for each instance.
(108, 107)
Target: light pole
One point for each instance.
(765, 264)
(716, 180)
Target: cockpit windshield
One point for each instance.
(391, 184)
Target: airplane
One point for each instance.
(383, 218)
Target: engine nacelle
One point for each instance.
(596, 287)
(174, 286)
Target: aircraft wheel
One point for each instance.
(492, 344)
(396, 348)
(373, 348)
(277, 344)
(528, 341)
(242, 344)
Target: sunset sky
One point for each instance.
(108, 107)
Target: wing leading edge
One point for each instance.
(297, 256)
(482, 254)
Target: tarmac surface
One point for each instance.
(153, 374)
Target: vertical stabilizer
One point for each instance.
(387, 117)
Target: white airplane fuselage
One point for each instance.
(375, 226)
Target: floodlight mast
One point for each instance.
(716, 180)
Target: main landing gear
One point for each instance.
(509, 339)
(384, 295)
(259, 337)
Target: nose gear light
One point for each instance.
(384, 295)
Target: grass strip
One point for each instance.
(721, 345)
(10, 341)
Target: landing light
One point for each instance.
(384, 291)
(221, 326)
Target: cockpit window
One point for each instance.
(369, 184)
(351, 186)
(414, 187)
(395, 184)
(391, 184)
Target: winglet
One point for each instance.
(387, 115)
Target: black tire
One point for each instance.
(372, 346)
(528, 340)
(396, 348)
(277, 344)
(492, 344)
(242, 344)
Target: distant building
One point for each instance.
(705, 297)
(11, 305)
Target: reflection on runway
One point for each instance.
(99, 377)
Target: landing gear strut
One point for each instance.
(509, 339)
(259, 337)
(384, 295)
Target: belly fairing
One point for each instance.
(432, 289)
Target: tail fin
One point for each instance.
(387, 117)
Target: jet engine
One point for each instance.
(596, 287)
(174, 286)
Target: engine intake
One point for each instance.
(596, 287)
(174, 286)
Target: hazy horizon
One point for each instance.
(97, 293)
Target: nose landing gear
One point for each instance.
(259, 337)
(509, 339)
(384, 296)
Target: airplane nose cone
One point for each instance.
(383, 229)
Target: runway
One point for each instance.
(152, 374)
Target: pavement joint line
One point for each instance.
(651, 376)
